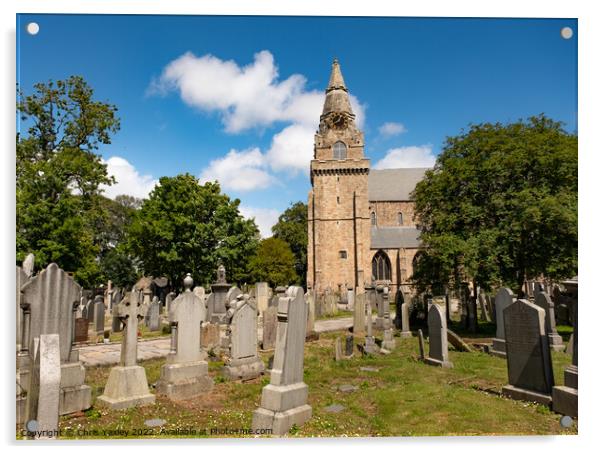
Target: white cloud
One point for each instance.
(244, 170)
(129, 181)
(292, 148)
(390, 129)
(412, 156)
(265, 218)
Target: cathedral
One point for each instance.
(361, 226)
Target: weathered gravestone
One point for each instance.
(116, 325)
(210, 340)
(383, 317)
(359, 314)
(49, 303)
(168, 300)
(81, 330)
(43, 398)
(349, 345)
(280, 291)
(471, 320)
(28, 264)
(543, 300)
(310, 332)
(399, 300)
(530, 375)
(350, 299)
(284, 400)
(405, 321)
(216, 302)
(185, 375)
(338, 349)
(503, 298)
(565, 398)
(369, 341)
(154, 315)
(127, 385)
(270, 324)
(243, 361)
(99, 314)
(437, 322)
(483, 308)
(261, 296)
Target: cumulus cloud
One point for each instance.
(292, 148)
(243, 171)
(390, 129)
(265, 218)
(412, 156)
(129, 181)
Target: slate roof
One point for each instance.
(394, 237)
(393, 184)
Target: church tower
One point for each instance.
(338, 216)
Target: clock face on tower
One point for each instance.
(338, 121)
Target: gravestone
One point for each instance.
(216, 302)
(21, 279)
(369, 342)
(471, 320)
(421, 345)
(349, 345)
(350, 299)
(483, 308)
(530, 375)
(359, 314)
(99, 314)
(90, 311)
(261, 296)
(388, 342)
(49, 303)
(154, 315)
(185, 374)
(168, 300)
(280, 291)
(116, 325)
(503, 298)
(243, 361)
(437, 322)
(81, 330)
(338, 349)
(127, 385)
(310, 332)
(383, 317)
(210, 337)
(490, 309)
(565, 398)
(543, 300)
(44, 393)
(284, 400)
(405, 321)
(399, 300)
(270, 324)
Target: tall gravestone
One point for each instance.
(49, 303)
(530, 375)
(44, 394)
(261, 296)
(185, 374)
(284, 400)
(565, 398)
(216, 303)
(503, 298)
(399, 300)
(243, 361)
(20, 281)
(127, 385)
(310, 331)
(405, 321)
(370, 345)
(116, 324)
(437, 322)
(383, 317)
(483, 308)
(543, 300)
(168, 300)
(359, 314)
(270, 324)
(154, 315)
(99, 314)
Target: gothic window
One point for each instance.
(339, 150)
(373, 218)
(381, 266)
(400, 218)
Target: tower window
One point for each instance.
(338, 200)
(339, 150)
(373, 218)
(342, 254)
(400, 218)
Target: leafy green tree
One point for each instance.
(500, 206)
(118, 265)
(184, 227)
(273, 263)
(292, 228)
(58, 174)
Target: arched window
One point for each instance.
(373, 218)
(381, 266)
(339, 150)
(400, 218)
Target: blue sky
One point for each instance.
(237, 98)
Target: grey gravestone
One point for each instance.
(530, 375)
(20, 281)
(45, 385)
(81, 330)
(168, 299)
(543, 300)
(399, 300)
(270, 324)
(154, 315)
(210, 336)
(99, 315)
(311, 313)
(49, 302)
(116, 325)
(127, 385)
(243, 362)
(261, 296)
(216, 303)
(438, 354)
(405, 321)
(348, 388)
(349, 345)
(350, 299)
(280, 291)
(421, 345)
(503, 298)
(185, 375)
(369, 342)
(338, 349)
(483, 308)
(284, 400)
(565, 398)
(383, 317)
(472, 321)
(359, 314)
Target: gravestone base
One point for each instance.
(571, 377)
(282, 406)
(527, 395)
(405, 334)
(184, 381)
(436, 362)
(555, 342)
(564, 400)
(243, 369)
(74, 395)
(388, 340)
(126, 387)
(370, 345)
(498, 348)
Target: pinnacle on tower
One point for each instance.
(337, 95)
(336, 81)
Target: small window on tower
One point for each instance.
(339, 150)
(400, 218)
(373, 218)
(343, 254)
(338, 200)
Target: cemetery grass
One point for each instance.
(404, 397)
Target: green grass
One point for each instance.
(404, 398)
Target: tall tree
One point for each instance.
(273, 263)
(292, 228)
(500, 206)
(184, 227)
(58, 174)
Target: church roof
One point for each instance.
(394, 237)
(393, 184)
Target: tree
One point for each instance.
(184, 227)
(58, 175)
(500, 206)
(292, 228)
(273, 263)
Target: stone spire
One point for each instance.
(337, 95)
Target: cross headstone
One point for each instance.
(437, 322)
(543, 300)
(503, 298)
(530, 374)
(284, 400)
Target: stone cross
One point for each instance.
(130, 311)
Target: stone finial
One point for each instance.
(188, 282)
(28, 264)
(221, 273)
